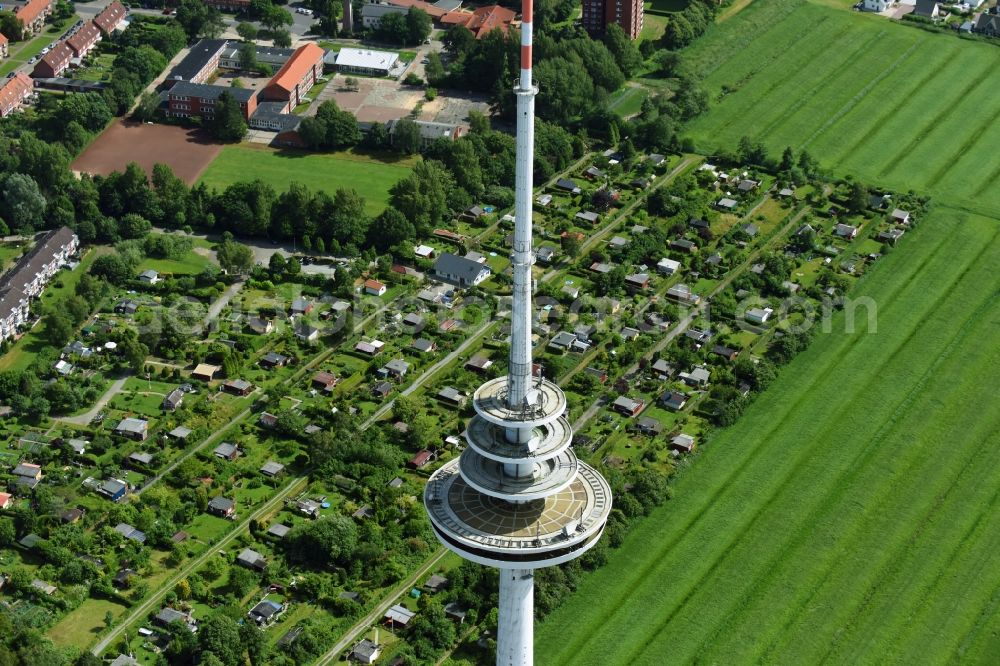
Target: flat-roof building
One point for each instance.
(366, 61)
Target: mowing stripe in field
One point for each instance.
(903, 63)
(831, 466)
(695, 582)
(897, 136)
(937, 131)
(723, 472)
(969, 170)
(781, 79)
(898, 114)
(864, 550)
(740, 66)
(846, 78)
(916, 576)
(855, 490)
(874, 112)
(762, 38)
(639, 565)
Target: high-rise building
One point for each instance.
(599, 14)
(517, 498)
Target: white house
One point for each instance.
(759, 315)
(668, 266)
(460, 271)
(876, 5)
(149, 277)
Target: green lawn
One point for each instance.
(370, 176)
(99, 68)
(81, 626)
(793, 73)
(851, 515)
(627, 102)
(191, 263)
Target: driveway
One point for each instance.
(102, 402)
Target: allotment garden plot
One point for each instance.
(891, 104)
(850, 515)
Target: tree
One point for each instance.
(418, 25)
(281, 38)
(11, 26)
(8, 533)
(458, 39)
(332, 540)
(219, 635)
(624, 50)
(389, 229)
(58, 329)
(857, 198)
(21, 203)
(666, 61)
(434, 69)
(406, 137)
(199, 20)
(423, 195)
(234, 257)
(679, 32)
(246, 31)
(149, 103)
(393, 28)
(248, 57)
(242, 581)
(228, 125)
(275, 18)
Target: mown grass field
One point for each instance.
(371, 176)
(853, 513)
(891, 104)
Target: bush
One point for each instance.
(430, 94)
(413, 80)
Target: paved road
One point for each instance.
(362, 625)
(220, 303)
(88, 416)
(430, 372)
(156, 597)
(208, 441)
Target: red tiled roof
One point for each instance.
(32, 10)
(432, 11)
(483, 20)
(3, 38)
(61, 52)
(84, 37)
(305, 57)
(110, 16)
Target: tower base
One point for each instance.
(515, 638)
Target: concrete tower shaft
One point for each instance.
(518, 498)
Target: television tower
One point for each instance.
(517, 498)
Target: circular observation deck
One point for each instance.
(550, 476)
(545, 403)
(547, 441)
(538, 533)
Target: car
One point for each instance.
(424, 61)
(33, 60)
(168, 11)
(46, 50)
